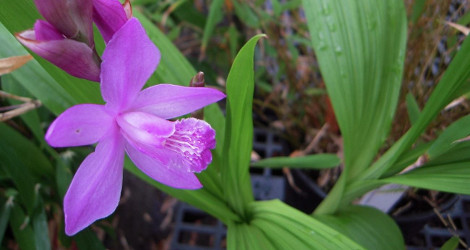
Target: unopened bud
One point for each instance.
(198, 81)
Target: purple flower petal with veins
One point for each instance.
(132, 121)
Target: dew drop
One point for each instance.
(322, 46)
(331, 24)
(338, 50)
(326, 7)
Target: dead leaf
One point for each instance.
(9, 64)
(459, 27)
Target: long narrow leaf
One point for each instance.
(215, 15)
(456, 131)
(451, 244)
(412, 108)
(452, 81)
(319, 161)
(40, 228)
(22, 230)
(87, 239)
(5, 211)
(239, 128)
(453, 177)
(26, 152)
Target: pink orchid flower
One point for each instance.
(135, 122)
(66, 37)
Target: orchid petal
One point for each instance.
(169, 101)
(129, 60)
(145, 128)
(109, 16)
(169, 175)
(79, 125)
(73, 18)
(75, 58)
(44, 31)
(146, 133)
(96, 187)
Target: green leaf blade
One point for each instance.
(367, 226)
(296, 229)
(239, 129)
(318, 161)
(362, 66)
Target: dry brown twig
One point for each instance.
(297, 153)
(16, 110)
(465, 30)
(8, 65)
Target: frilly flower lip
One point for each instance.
(135, 122)
(74, 57)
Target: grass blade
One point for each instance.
(318, 161)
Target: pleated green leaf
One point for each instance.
(5, 211)
(412, 108)
(451, 177)
(368, 226)
(448, 88)
(447, 169)
(87, 239)
(244, 236)
(447, 172)
(318, 161)
(255, 238)
(289, 228)
(451, 244)
(40, 228)
(408, 158)
(360, 47)
(239, 128)
(19, 149)
(30, 118)
(448, 139)
(22, 229)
